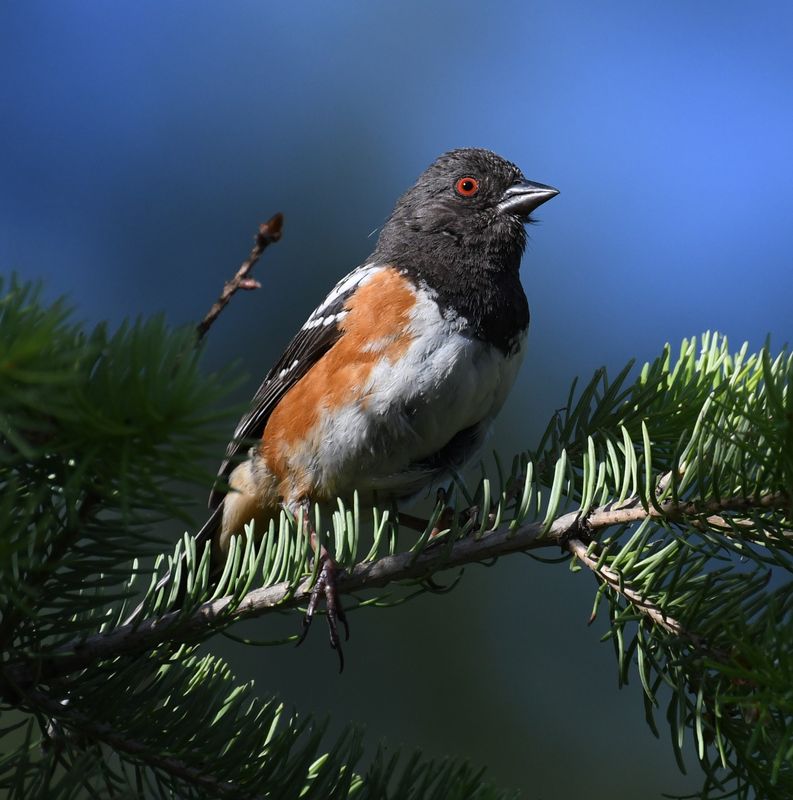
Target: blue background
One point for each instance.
(141, 143)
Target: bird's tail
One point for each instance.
(202, 538)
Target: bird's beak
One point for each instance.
(524, 196)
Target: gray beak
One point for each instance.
(524, 196)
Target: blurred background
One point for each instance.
(141, 144)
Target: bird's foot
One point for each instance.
(471, 515)
(326, 585)
(444, 521)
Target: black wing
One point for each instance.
(313, 340)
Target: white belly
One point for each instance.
(445, 383)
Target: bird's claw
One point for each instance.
(326, 585)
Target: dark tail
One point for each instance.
(203, 537)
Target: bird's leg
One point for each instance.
(325, 585)
(471, 514)
(414, 523)
(419, 524)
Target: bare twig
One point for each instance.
(269, 233)
(176, 626)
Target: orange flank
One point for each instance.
(374, 329)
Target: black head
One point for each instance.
(469, 202)
(460, 231)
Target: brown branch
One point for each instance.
(103, 732)
(632, 511)
(269, 233)
(613, 579)
(704, 514)
(176, 627)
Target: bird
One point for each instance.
(395, 378)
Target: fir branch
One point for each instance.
(673, 511)
(613, 579)
(683, 477)
(68, 536)
(92, 730)
(175, 626)
(253, 747)
(269, 232)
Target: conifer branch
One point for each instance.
(676, 512)
(674, 489)
(68, 535)
(95, 731)
(176, 626)
(612, 579)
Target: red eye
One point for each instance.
(467, 187)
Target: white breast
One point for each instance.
(446, 382)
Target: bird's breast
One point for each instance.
(395, 403)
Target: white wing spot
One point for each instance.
(315, 322)
(287, 370)
(347, 283)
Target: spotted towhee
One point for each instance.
(397, 375)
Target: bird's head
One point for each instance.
(472, 198)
